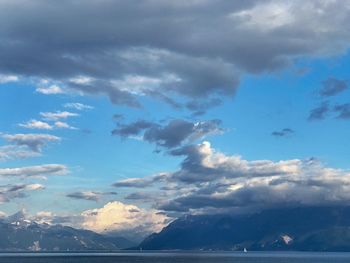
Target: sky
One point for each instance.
(119, 116)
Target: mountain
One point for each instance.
(121, 242)
(20, 234)
(304, 229)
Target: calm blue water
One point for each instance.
(181, 257)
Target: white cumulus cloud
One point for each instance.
(125, 219)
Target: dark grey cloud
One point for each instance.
(122, 49)
(283, 133)
(132, 129)
(333, 86)
(177, 131)
(169, 135)
(259, 196)
(320, 112)
(89, 195)
(343, 111)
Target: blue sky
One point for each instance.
(129, 109)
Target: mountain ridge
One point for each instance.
(20, 234)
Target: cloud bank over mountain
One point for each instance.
(210, 181)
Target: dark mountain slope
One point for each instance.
(307, 228)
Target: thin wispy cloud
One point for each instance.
(90, 195)
(39, 171)
(78, 106)
(58, 115)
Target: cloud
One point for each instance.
(283, 133)
(170, 135)
(53, 89)
(64, 125)
(143, 197)
(41, 125)
(55, 116)
(44, 217)
(126, 220)
(138, 182)
(89, 195)
(35, 142)
(320, 112)
(211, 181)
(10, 192)
(199, 107)
(13, 152)
(132, 129)
(35, 171)
(51, 218)
(343, 111)
(333, 86)
(118, 117)
(78, 106)
(161, 49)
(203, 164)
(178, 131)
(35, 124)
(8, 78)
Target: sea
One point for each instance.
(176, 257)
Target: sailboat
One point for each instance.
(245, 250)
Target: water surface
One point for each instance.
(180, 257)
